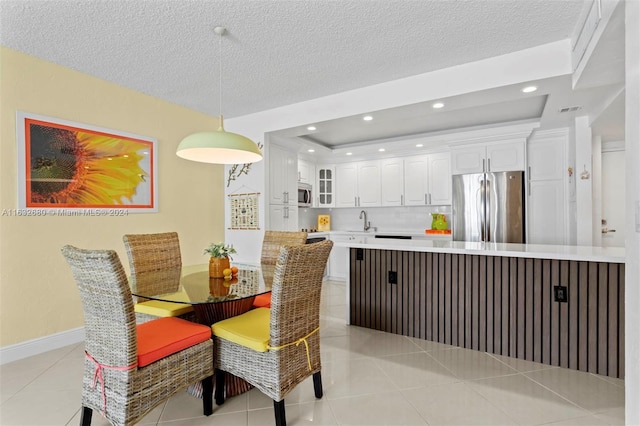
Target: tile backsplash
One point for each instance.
(384, 219)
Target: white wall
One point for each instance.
(632, 274)
(584, 181)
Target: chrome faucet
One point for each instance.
(367, 225)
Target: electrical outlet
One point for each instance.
(393, 277)
(560, 294)
(359, 254)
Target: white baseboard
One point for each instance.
(40, 345)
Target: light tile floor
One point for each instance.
(369, 378)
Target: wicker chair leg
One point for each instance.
(85, 417)
(281, 417)
(207, 396)
(317, 384)
(219, 386)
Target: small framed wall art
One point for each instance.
(79, 167)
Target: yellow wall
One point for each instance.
(38, 296)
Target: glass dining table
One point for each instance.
(212, 299)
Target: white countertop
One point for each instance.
(537, 251)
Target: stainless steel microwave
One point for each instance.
(304, 195)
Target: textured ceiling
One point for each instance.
(277, 52)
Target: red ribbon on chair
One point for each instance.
(97, 375)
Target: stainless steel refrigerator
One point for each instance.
(489, 207)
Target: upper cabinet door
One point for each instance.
(468, 159)
(439, 170)
(505, 156)
(416, 178)
(391, 182)
(347, 185)
(368, 184)
(325, 186)
(306, 172)
(546, 158)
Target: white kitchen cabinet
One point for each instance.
(283, 217)
(547, 208)
(546, 158)
(468, 159)
(368, 183)
(339, 256)
(325, 186)
(283, 176)
(505, 156)
(439, 171)
(358, 184)
(427, 180)
(306, 172)
(392, 182)
(488, 157)
(346, 185)
(283, 189)
(546, 223)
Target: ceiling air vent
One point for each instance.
(570, 109)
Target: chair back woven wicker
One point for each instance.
(126, 392)
(294, 352)
(157, 255)
(156, 266)
(274, 240)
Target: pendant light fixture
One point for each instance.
(220, 146)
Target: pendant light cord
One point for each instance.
(220, 73)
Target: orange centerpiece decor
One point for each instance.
(220, 256)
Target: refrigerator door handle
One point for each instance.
(480, 209)
(487, 209)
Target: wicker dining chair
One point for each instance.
(272, 242)
(156, 263)
(276, 349)
(130, 369)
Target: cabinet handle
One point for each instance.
(483, 166)
(425, 198)
(489, 165)
(355, 201)
(401, 200)
(529, 168)
(529, 188)
(430, 198)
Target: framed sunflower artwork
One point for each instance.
(82, 168)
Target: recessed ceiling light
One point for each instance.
(529, 89)
(311, 150)
(381, 150)
(348, 153)
(367, 118)
(437, 105)
(312, 128)
(419, 145)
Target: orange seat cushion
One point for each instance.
(165, 336)
(262, 301)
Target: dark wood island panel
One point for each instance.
(501, 305)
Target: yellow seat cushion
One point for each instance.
(158, 308)
(250, 329)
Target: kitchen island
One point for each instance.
(558, 305)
